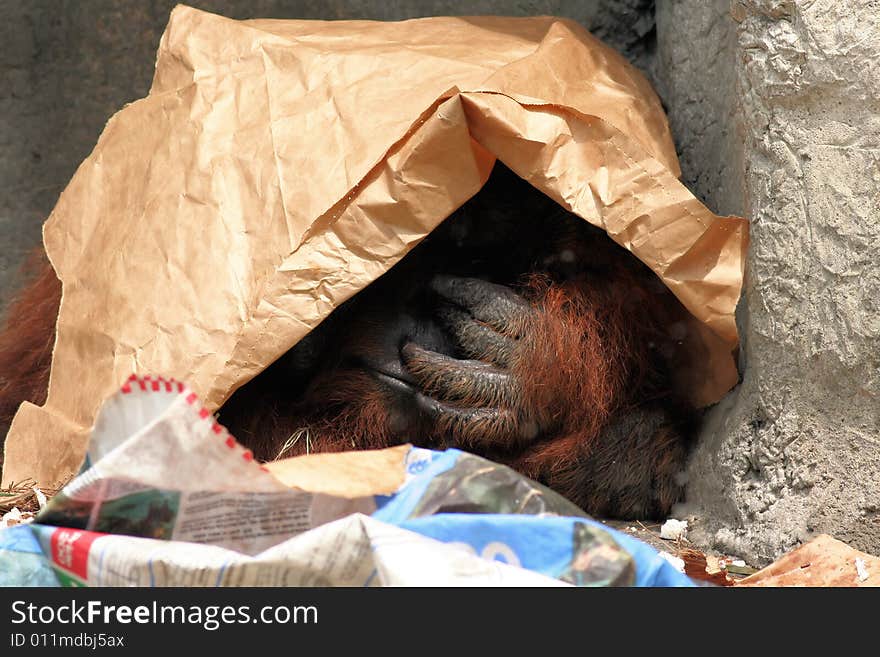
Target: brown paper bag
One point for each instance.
(278, 167)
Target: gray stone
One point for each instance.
(795, 450)
(695, 75)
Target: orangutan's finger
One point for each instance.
(496, 306)
(479, 427)
(475, 339)
(470, 382)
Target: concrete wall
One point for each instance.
(776, 108)
(67, 65)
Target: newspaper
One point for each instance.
(167, 497)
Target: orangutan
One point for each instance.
(515, 331)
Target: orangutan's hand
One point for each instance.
(478, 400)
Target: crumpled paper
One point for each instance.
(278, 167)
(168, 498)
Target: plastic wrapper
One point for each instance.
(168, 498)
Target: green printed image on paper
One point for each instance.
(597, 559)
(149, 513)
(66, 511)
(477, 485)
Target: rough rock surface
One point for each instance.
(695, 75)
(795, 450)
